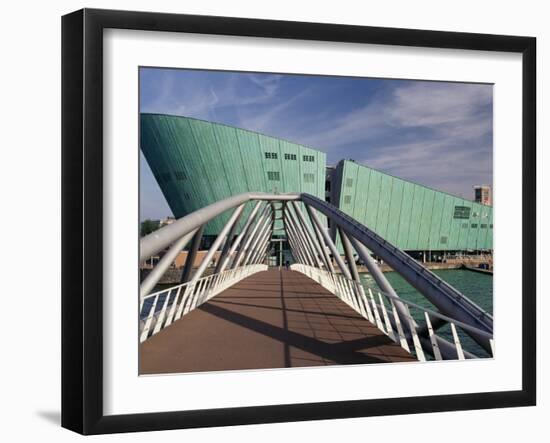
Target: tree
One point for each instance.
(148, 226)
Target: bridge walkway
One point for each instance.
(273, 319)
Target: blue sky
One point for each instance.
(435, 133)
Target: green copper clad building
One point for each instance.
(197, 162)
(410, 216)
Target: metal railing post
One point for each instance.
(227, 245)
(240, 237)
(206, 261)
(298, 219)
(259, 235)
(251, 236)
(300, 240)
(312, 237)
(191, 255)
(330, 243)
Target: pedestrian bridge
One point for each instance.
(246, 315)
(272, 319)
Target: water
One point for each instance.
(476, 286)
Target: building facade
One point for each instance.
(483, 195)
(411, 216)
(197, 163)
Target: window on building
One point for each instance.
(349, 182)
(483, 226)
(347, 199)
(273, 176)
(474, 225)
(309, 177)
(443, 240)
(290, 156)
(308, 158)
(464, 225)
(271, 155)
(462, 212)
(180, 175)
(491, 226)
(327, 185)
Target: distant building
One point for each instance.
(482, 194)
(166, 221)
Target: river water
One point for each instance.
(476, 286)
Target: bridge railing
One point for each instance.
(380, 309)
(160, 309)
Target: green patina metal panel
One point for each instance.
(446, 228)
(457, 225)
(197, 163)
(233, 165)
(426, 220)
(416, 214)
(352, 189)
(464, 232)
(480, 240)
(209, 154)
(373, 198)
(271, 158)
(411, 216)
(435, 228)
(361, 193)
(489, 238)
(290, 167)
(321, 176)
(475, 222)
(347, 196)
(384, 205)
(256, 174)
(405, 215)
(395, 211)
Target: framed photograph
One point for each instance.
(269, 221)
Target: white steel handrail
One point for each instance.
(361, 299)
(181, 299)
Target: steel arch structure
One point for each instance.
(316, 256)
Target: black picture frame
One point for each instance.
(82, 218)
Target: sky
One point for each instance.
(438, 134)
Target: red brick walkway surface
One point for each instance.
(273, 319)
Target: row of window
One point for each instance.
(275, 156)
(165, 177)
(474, 225)
(462, 212)
(276, 176)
